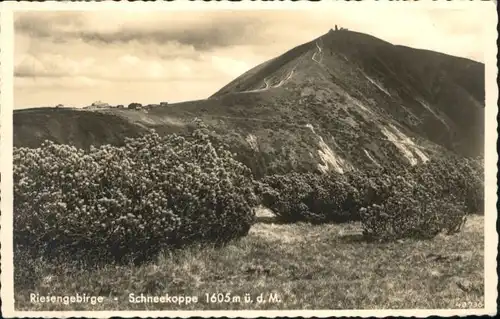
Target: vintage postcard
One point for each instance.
(248, 159)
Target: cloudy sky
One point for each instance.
(76, 58)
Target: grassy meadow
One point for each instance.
(293, 266)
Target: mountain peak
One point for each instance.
(343, 101)
(355, 81)
(304, 60)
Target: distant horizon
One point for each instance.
(82, 57)
(184, 101)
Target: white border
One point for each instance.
(491, 156)
(6, 102)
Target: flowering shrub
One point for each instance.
(134, 200)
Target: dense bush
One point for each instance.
(372, 186)
(311, 197)
(461, 177)
(283, 194)
(410, 210)
(422, 200)
(474, 195)
(131, 201)
(418, 201)
(328, 197)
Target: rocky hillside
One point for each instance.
(343, 101)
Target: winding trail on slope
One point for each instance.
(269, 86)
(266, 82)
(286, 79)
(290, 74)
(320, 51)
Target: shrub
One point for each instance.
(411, 211)
(461, 177)
(473, 173)
(311, 197)
(131, 201)
(371, 186)
(284, 195)
(418, 201)
(333, 199)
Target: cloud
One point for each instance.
(53, 65)
(47, 25)
(129, 59)
(199, 30)
(119, 67)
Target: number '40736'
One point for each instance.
(470, 305)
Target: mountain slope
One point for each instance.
(345, 100)
(439, 96)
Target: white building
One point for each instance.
(99, 105)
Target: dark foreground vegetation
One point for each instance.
(128, 206)
(116, 203)
(418, 201)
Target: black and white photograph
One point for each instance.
(187, 157)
